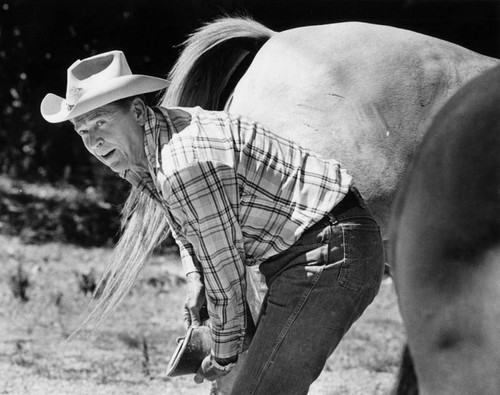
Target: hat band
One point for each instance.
(73, 95)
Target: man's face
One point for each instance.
(115, 135)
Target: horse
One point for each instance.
(445, 247)
(360, 93)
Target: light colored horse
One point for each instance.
(360, 93)
(446, 246)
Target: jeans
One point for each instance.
(317, 289)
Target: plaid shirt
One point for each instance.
(235, 194)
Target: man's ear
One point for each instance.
(139, 110)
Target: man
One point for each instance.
(234, 195)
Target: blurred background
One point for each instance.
(40, 39)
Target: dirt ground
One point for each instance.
(130, 352)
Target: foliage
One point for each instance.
(40, 213)
(39, 40)
(19, 283)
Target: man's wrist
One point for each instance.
(224, 364)
(194, 275)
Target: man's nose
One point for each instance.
(95, 140)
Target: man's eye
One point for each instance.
(82, 132)
(100, 123)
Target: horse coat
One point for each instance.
(360, 93)
(445, 247)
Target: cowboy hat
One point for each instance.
(94, 82)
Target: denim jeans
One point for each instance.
(317, 289)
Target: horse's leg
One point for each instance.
(407, 379)
(446, 246)
(454, 339)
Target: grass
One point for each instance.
(45, 278)
(129, 353)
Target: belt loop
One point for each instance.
(333, 219)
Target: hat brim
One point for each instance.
(54, 108)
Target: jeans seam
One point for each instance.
(285, 330)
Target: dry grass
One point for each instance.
(129, 354)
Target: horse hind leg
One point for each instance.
(457, 345)
(471, 341)
(407, 379)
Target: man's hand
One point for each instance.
(208, 371)
(195, 299)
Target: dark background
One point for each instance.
(40, 39)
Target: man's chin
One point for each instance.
(114, 165)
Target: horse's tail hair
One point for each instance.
(144, 227)
(213, 59)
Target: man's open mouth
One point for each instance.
(108, 154)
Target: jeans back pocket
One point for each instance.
(363, 264)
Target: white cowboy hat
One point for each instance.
(94, 82)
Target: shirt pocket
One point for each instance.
(363, 264)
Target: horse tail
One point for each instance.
(213, 60)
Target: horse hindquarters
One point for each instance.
(446, 246)
(358, 93)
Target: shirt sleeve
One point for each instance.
(203, 198)
(188, 257)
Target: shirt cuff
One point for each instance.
(189, 263)
(189, 266)
(227, 346)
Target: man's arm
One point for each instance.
(195, 299)
(203, 199)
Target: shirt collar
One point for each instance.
(156, 127)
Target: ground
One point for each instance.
(130, 352)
